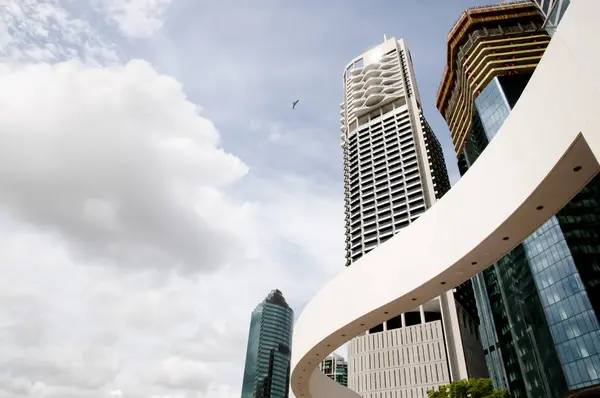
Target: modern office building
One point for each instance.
(336, 368)
(267, 370)
(539, 304)
(394, 170)
(552, 11)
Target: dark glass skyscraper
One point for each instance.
(267, 370)
(539, 304)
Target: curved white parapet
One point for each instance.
(545, 152)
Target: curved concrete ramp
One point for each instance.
(545, 152)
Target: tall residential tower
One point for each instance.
(267, 370)
(539, 304)
(394, 170)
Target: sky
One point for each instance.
(155, 183)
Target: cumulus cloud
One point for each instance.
(133, 246)
(184, 374)
(134, 18)
(113, 161)
(116, 161)
(43, 31)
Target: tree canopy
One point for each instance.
(472, 388)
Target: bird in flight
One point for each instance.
(294, 104)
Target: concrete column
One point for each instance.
(422, 311)
(385, 325)
(403, 319)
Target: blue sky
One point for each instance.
(252, 60)
(155, 183)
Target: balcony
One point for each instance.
(374, 99)
(373, 81)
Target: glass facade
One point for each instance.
(492, 107)
(267, 369)
(336, 368)
(539, 304)
(489, 337)
(553, 11)
(530, 361)
(573, 324)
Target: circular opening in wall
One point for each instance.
(317, 354)
(443, 283)
(576, 168)
(539, 207)
(328, 345)
(304, 370)
(343, 335)
(386, 313)
(414, 299)
(505, 238)
(362, 324)
(309, 363)
(473, 262)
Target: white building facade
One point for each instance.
(394, 170)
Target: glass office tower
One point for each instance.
(552, 10)
(539, 304)
(336, 368)
(267, 370)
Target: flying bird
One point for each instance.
(294, 104)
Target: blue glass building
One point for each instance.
(538, 305)
(267, 369)
(533, 302)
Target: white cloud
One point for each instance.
(116, 160)
(43, 31)
(113, 166)
(132, 247)
(135, 18)
(184, 374)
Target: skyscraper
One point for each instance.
(539, 304)
(267, 370)
(394, 170)
(552, 11)
(336, 368)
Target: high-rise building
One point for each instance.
(267, 370)
(336, 368)
(539, 304)
(394, 170)
(552, 11)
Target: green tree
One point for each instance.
(472, 388)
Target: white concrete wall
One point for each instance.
(396, 362)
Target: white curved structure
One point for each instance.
(545, 152)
